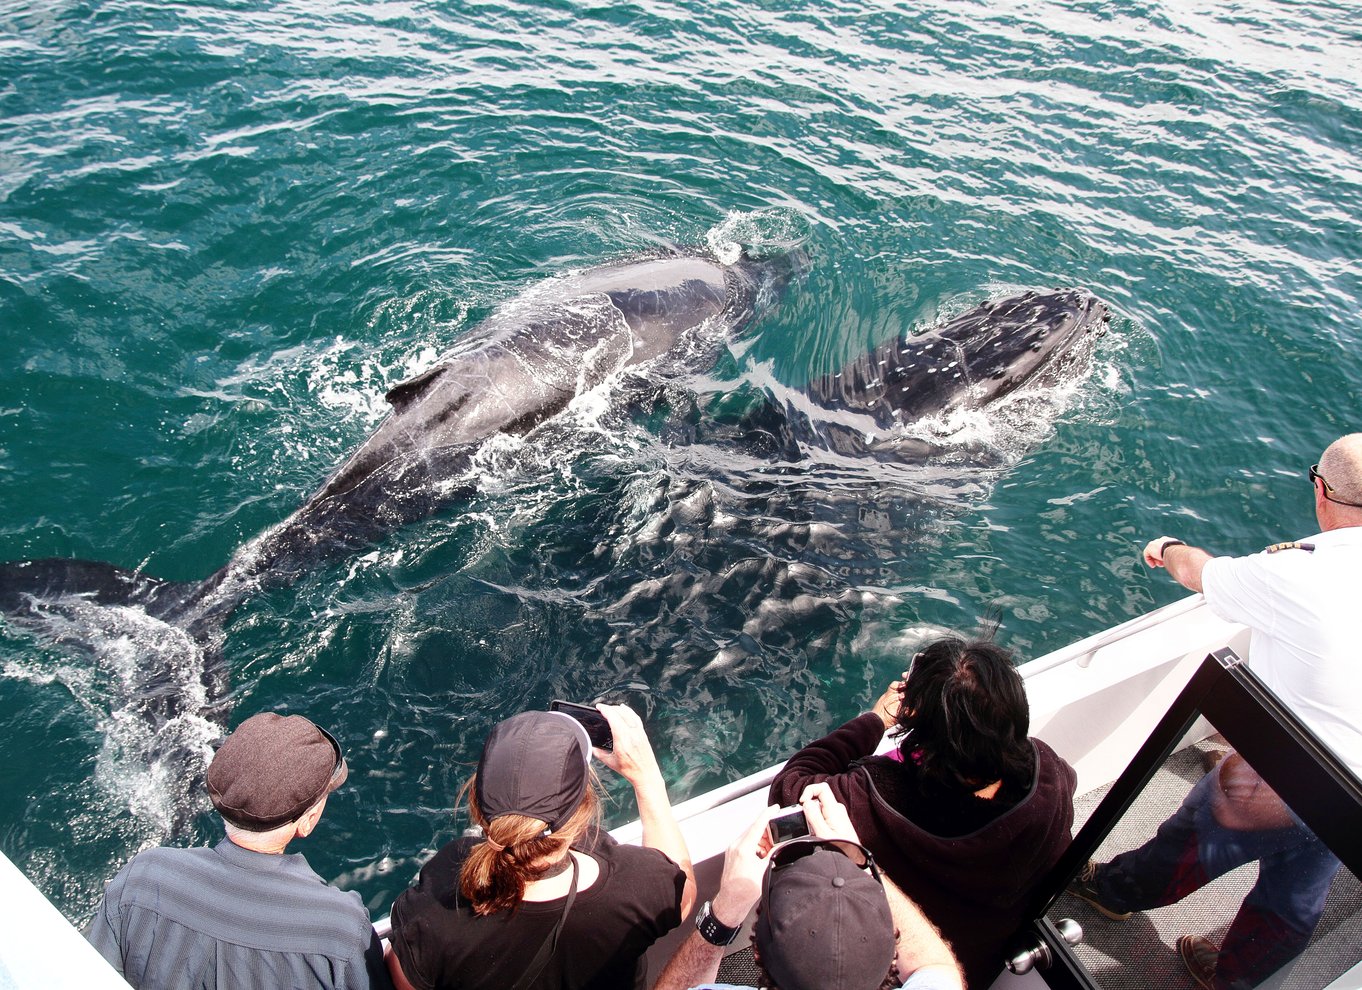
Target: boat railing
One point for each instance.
(1082, 653)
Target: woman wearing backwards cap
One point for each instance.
(546, 900)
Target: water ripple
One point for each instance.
(226, 229)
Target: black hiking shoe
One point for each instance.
(1082, 887)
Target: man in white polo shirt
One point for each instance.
(1300, 602)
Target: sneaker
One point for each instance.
(1199, 956)
(1082, 887)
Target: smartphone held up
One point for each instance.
(597, 728)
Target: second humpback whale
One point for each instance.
(529, 360)
(1029, 339)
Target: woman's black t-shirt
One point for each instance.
(443, 945)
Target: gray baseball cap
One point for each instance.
(823, 923)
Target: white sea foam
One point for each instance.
(758, 232)
(144, 690)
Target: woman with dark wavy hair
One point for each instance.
(544, 899)
(966, 814)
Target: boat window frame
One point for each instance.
(1317, 786)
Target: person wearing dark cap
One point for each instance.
(244, 914)
(545, 899)
(826, 918)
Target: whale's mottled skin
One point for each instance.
(1032, 338)
(970, 361)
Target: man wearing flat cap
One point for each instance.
(244, 914)
(826, 919)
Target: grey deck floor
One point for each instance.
(739, 968)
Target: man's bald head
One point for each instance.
(1341, 466)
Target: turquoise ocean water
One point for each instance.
(226, 228)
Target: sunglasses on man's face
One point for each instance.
(1328, 488)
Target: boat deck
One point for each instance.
(1140, 953)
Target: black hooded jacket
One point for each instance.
(974, 885)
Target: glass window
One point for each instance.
(1209, 871)
(1226, 856)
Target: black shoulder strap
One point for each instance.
(550, 946)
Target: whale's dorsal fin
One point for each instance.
(403, 395)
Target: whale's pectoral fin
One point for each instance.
(22, 581)
(403, 395)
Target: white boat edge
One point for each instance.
(1095, 701)
(39, 947)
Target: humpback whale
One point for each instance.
(518, 368)
(1029, 339)
(622, 323)
(527, 362)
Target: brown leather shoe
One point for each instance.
(1199, 955)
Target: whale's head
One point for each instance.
(757, 282)
(1028, 339)
(1036, 338)
(1033, 338)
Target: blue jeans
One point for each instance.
(1189, 850)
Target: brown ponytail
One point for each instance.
(493, 880)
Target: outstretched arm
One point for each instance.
(697, 961)
(1184, 563)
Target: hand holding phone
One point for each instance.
(828, 819)
(597, 728)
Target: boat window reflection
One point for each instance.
(1209, 852)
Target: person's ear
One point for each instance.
(310, 819)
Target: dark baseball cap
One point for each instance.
(823, 923)
(534, 764)
(272, 769)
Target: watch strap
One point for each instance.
(711, 929)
